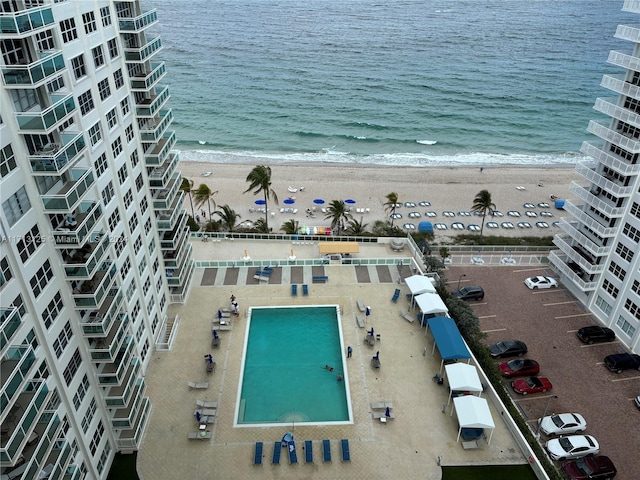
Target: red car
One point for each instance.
(590, 468)
(531, 385)
(519, 367)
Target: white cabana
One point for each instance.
(431, 304)
(419, 284)
(473, 412)
(462, 377)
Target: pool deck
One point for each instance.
(408, 446)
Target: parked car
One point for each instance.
(540, 282)
(622, 361)
(508, 348)
(573, 446)
(469, 293)
(596, 334)
(598, 467)
(519, 367)
(531, 385)
(562, 424)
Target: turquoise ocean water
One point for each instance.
(355, 81)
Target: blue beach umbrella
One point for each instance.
(260, 202)
(289, 201)
(318, 201)
(350, 201)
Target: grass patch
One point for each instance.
(494, 472)
(124, 467)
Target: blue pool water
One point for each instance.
(283, 375)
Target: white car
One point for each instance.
(573, 446)
(540, 282)
(562, 424)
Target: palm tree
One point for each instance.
(290, 227)
(187, 187)
(202, 195)
(390, 205)
(356, 228)
(483, 205)
(261, 226)
(337, 212)
(228, 216)
(260, 181)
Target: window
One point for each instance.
(112, 46)
(147, 226)
(139, 182)
(89, 20)
(135, 311)
(139, 332)
(142, 267)
(624, 252)
(41, 278)
(29, 243)
(68, 30)
(124, 106)
(55, 84)
(103, 457)
(617, 270)
(122, 174)
(145, 349)
(120, 243)
(635, 209)
(97, 438)
(631, 232)
(63, 340)
(100, 165)
(116, 147)
(128, 132)
(625, 326)
(72, 367)
(130, 290)
(98, 56)
(95, 134)
(107, 194)
(134, 159)
(78, 67)
(16, 206)
(144, 204)
(118, 79)
(45, 40)
(112, 118)
(104, 89)
(114, 220)
(85, 100)
(137, 244)
(635, 287)
(7, 161)
(610, 288)
(632, 308)
(5, 271)
(603, 305)
(126, 266)
(128, 199)
(82, 391)
(89, 414)
(133, 222)
(52, 311)
(105, 14)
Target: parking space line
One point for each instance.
(559, 303)
(626, 378)
(599, 344)
(572, 316)
(548, 290)
(487, 316)
(527, 397)
(529, 269)
(494, 330)
(475, 303)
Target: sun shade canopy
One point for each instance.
(419, 284)
(447, 338)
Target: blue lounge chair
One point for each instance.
(257, 457)
(305, 289)
(293, 454)
(326, 450)
(396, 295)
(294, 290)
(346, 456)
(277, 449)
(308, 451)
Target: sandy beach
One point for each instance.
(446, 188)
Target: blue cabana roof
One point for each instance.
(448, 338)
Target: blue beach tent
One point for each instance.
(425, 227)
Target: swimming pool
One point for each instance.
(283, 375)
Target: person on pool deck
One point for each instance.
(371, 332)
(215, 334)
(349, 351)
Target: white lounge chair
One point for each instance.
(361, 306)
(198, 385)
(407, 316)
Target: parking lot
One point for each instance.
(547, 321)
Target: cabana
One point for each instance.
(473, 412)
(431, 304)
(419, 284)
(462, 378)
(448, 339)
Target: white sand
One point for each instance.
(447, 188)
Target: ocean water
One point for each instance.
(377, 82)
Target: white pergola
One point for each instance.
(430, 304)
(473, 412)
(419, 284)
(462, 377)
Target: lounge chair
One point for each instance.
(346, 456)
(407, 316)
(294, 290)
(305, 289)
(360, 321)
(198, 385)
(361, 306)
(206, 411)
(396, 295)
(382, 415)
(277, 449)
(326, 450)
(204, 435)
(203, 404)
(381, 405)
(375, 363)
(293, 454)
(308, 451)
(257, 456)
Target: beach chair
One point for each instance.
(294, 290)
(198, 385)
(326, 450)
(308, 451)
(203, 404)
(407, 316)
(293, 454)
(360, 321)
(396, 295)
(346, 456)
(257, 456)
(361, 306)
(277, 449)
(305, 289)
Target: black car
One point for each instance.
(508, 348)
(469, 293)
(596, 334)
(622, 361)
(596, 467)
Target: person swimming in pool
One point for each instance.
(329, 367)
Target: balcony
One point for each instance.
(166, 220)
(67, 195)
(604, 206)
(49, 430)
(558, 261)
(165, 198)
(120, 395)
(114, 373)
(177, 257)
(15, 369)
(48, 119)
(37, 73)
(124, 418)
(59, 456)
(618, 84)
(143, 53)
(106, 349)
(90, 293)
(145, 81)
(624, 60)
(609, 107)
(623, 167)
(583, 217)
(571, 229)
(628, 32)
(177, 276)
(158, 153)
(608, 135)
(577, 254)
(132, 438)
(176, 237)
(179, 294)
(82, 263)
(139, 23)
(153, 130)
(10, 322)
(83, 220)
(54, 159)
(149, 107)
(608, 183)
(25, 22)
(97, 323)
(160, 177)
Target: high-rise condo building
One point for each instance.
(94, 236)
(599, 258)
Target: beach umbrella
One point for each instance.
(425, 227)
(318, 201)
(260, 202)
(350, 201)
(289, 201)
